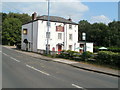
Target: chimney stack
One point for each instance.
(34, 16)
(70, 19)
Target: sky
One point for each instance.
(104, 12)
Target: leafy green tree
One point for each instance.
(11, 27)
(24, 18)
(11, 31)
(99, 32)
(84, 26)
(114, 33)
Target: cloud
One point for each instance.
(64, 9)
(60, 0)
(74, 10)
(100, 19)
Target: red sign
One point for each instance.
(59, 29)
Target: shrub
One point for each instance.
(108, 57)
(68, 54)
(86, 55)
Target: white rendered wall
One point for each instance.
(39, 36)
(28, 36)
(35, 35)
(89, 47)
(32, 29)
(74, 32)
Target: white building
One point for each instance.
(63, 34)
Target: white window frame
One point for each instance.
(70, 36)
(60, 36)
(70, 26)
(48, 24)
(70, 47)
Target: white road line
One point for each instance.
(77, 86)
(11, 57)
(37, 70)
(0, 51)
(5, 54)
(15, 59)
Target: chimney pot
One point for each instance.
(70, 19)
(34, 16)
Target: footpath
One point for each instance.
(80, 65)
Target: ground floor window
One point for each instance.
(70, 47)
(48, 46)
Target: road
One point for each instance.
(23, 71)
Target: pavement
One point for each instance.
(80, 65)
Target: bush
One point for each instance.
(18, 46)
(86, 55)
(114, 49)
(108, 57)
(69, 54)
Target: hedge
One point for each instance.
(68, 54)
(113, 49)
(108, 57)
(87, 55)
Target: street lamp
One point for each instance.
(48, 33)
(84, 38)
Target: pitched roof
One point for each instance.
(55, 19)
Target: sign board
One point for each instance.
(59, 29)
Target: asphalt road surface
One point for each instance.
(22, 71)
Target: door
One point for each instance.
(59, 48)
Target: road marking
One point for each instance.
(15, 59)
(5, 54)
(11, 57)
(37, 70)
(0, 51)
(77, 86)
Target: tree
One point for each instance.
(114, 33)
(11, 27)
(99, 32)
(11, 31)
(24, 18)
(84, 26)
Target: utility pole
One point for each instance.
(48, 33)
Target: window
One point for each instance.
(48, 24)
(59, 29)
(70, 36)
(70, 26)
(70, 47)
(48, 46)
(47, 34)
(25, 31)
(59, 35)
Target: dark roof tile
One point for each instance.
(55, 19)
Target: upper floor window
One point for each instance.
(70, 26)
(70, 36)
(48, 23)
(25, 31)
(59, 35)
(47, 34)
